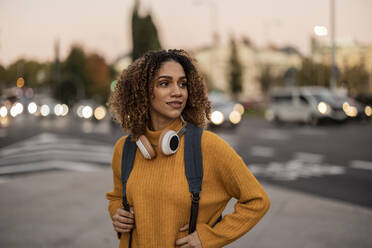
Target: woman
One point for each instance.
(149, 98)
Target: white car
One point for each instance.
(303, 104)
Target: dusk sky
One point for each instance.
(28, 28)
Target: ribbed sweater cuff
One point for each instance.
(208, 238)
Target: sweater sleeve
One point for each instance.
(239, 183)
(115, 196)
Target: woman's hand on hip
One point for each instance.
(123, 220)
(190, 241)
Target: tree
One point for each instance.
(99, 77)
(28, 69)
(355, 79)
(74, 80)
(235, 70)
(266, 78)
(312, 73)
(144, 34)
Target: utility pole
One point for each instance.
(333, 79)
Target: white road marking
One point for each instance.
(48, 151)
(295, 169)
(68, 155)
(47, 165)
(359, 164)
(262, 151)
(309, 157)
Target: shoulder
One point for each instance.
(212, 142)
(120, 143)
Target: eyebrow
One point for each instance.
(169, 77)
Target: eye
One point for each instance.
(183, 84)
(163, 83)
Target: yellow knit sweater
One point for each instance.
(158, 191)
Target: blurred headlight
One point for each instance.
(13, 111)
(239, 108)
(3, 111)
(235, 117)
(352, 111)
(349, 110)
(64, 109)
(368, 111)
(58, 110)
(323, 108)
(44, 110)
(16, 109)
(87, 112)
(217, 118)
(100, 113)
(79, 111)
(32, 108)
(19, 108)
(345, 106)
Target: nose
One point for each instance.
(176, 90)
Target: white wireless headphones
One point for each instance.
(169, 142)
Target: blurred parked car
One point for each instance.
(225, 112)
(303, 104)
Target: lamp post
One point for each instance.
(213, 15)
(333, 79)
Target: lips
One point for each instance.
(175, 104)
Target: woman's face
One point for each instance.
(169, 95)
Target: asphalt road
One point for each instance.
(332, 161)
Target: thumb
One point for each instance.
(132, 210)
(184, 228)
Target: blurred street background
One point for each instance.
(291, 87)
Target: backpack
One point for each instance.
(193, 169)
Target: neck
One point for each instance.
(157, 124)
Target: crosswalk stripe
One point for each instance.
(46, 165)
(309, 157)
(49, 151)
(262, 151)
(359, 164)
(56, 146)
(73, 155)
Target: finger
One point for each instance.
(183, 241)
(123, 226)
(184, 228)
(125, 220)
(124, 213)
(121, 230)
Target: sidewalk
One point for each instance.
(68, 209)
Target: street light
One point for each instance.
(320, 30)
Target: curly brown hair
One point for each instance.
(129, 103)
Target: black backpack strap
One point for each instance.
(127, 159)
(193, 169)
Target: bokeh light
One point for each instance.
(20, 82)
(45, 110)
(32, 108)
(100, 113)
(87, 112)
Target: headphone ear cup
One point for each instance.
(145, 147)
(169, 142)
